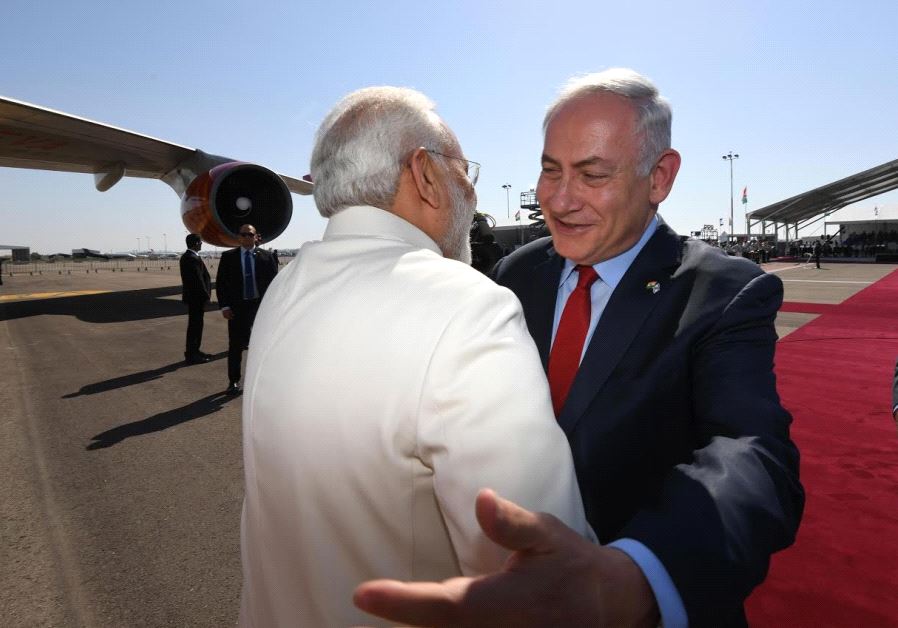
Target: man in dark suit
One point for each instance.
(244, 275)
(659, 353)
(196, 290)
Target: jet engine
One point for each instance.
(217, 202)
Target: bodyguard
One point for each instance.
(244, 275)
(196, 291)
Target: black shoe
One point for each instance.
(233, 389)
(199, 358)
(208, 356)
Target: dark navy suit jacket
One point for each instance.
(229, 279)
(677, 432)
(196, 285)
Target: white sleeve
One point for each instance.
(486, 421)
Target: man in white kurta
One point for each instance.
(386, 385)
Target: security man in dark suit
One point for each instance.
(244, 275)
(196, 292)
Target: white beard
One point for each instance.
(456, 243)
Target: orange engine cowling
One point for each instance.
(217, 202)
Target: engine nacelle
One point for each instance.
(232, 194)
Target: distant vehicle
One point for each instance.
(218, 194)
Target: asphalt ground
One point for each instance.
(122, 465)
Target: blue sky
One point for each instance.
(805, 92)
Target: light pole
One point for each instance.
(507, 187)
(730, 156)
(148, 244)
(138, 245)
(164, 243)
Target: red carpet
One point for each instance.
(835, 376)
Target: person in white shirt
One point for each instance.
(387, 382)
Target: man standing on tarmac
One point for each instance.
(196, 291)
(244, 275)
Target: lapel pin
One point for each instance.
(654, 286)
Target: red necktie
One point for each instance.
(565, 356)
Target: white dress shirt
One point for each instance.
(385, 386)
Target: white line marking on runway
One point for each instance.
(776, 270)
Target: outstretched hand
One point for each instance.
(554, 578)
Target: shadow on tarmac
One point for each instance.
(134, 378)
(110, 307)
(164, 420)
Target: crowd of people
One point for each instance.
(862, 244)
(758, 250)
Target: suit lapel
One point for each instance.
(540, 310)
(627, 310)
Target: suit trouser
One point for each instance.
(195, 310)
(239, 328)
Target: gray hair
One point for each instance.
(360, 146)
(653, 114)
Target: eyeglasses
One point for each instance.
(472, 169)
(247, 234)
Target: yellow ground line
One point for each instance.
(49, 295)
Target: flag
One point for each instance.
(745, 195)
(876, 211)
(517, 215)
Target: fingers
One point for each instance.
(514, 528)
(414, 604)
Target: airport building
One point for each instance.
(19, 253)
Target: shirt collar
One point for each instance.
(249, 250)
(612, 270)
(371, 222)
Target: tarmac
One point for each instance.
(122, 465)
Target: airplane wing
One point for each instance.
(43, 139)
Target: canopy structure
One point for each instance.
(807, 208)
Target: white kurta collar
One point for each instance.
(372, 222)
